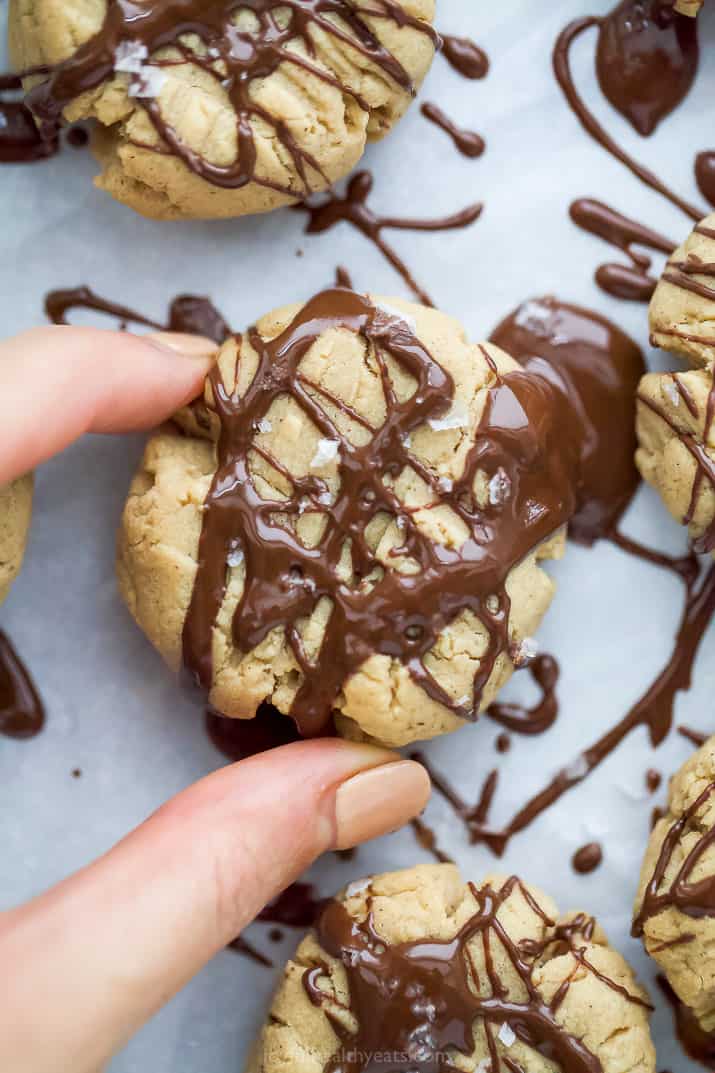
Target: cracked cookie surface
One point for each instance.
(222, 121)
(676, 411)
(165, 513)
(675, 908)
(440, 974)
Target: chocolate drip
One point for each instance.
(503, 741)
(545, 671)
(695, 1041)
(20, 140)
(704, 464)
(354, 209)
(187, 312)
(238, 739)
(22, 714)
(602, 368)
(682, 273)
(695, 736)
(705, 175)
(417, 1001)
(633, 282)
(654, 710)
(343, 278)
(428, 840)
(686, 567)
(298, 906)
(653, 780)
(468, 142)
(399, 615)
(693, 899)
(587, 859)
(242, 946)
(646, 60)
(234, 58)
(664, 88)
(465, 57)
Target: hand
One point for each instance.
(85, 964)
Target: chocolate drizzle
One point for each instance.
(236, 59)
(354, 209)
(704, 464)
(587, 859)
(20, 140)
(468, 142)
(654, 710)
(632, 282)
(187, 312)
(421, 1001)
(465, 57)
(22, 714)
(693, 736)
(521, 720)
(646, 60)
(399, 615)
(705, 174)
(238, 739)
(693, 899)
(647, 56)
(602, 368)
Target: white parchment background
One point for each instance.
(116, 713)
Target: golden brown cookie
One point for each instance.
(431, 972)
(415, 522)
(15, 513)
(674, 909)
(688, 7)
(257, 107)
(675, 420)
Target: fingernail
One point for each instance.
(379, 800)
(192, 346)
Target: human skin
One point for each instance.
(125, 933)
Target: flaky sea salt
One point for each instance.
(507, 1035)
(578, 769)
(528, 649)
(671, 391)
(129, 57)
(456, 417)
(264, 425)
(499, 488)
(149, 82)
(444, 485)
(397, 314)
(327, 452)
(235, 557)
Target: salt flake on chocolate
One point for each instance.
(507, 1034)
(149, 82)
(327, 452)
(499, 488)
(129, 57)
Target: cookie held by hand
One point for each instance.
(350, 524)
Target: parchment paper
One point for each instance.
(116, 713)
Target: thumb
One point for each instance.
(100, 953)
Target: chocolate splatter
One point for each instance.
(587, 859)
(654, 710)
(516, 717)
(694, 736)
(601, 367)
(400, 615)
(22, 714)
(705, 174)
(235, 58)
(238, 739)
(416, 1000)
(187, 312)
(631, 40)
(468, 142)
(632, 282)
(20, 139)
(465, 57)
(353, 209)
(502, 743)
(653, 779)
(428, 840)
(646, 60)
